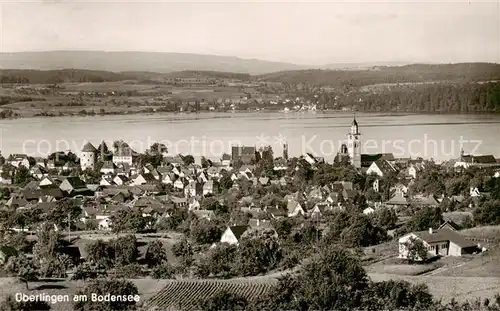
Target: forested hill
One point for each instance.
(463, 72)
(429, 98)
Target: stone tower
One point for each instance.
(89, 156)
(354, 144)
(285, 151)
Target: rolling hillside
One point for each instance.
(138, 61)
(463, 72)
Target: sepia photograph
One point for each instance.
(251, 155)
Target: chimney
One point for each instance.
(430, 230)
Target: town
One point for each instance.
(111, 211)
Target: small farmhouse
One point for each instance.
(441, 242)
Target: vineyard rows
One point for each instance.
(183, 295)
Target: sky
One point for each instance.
(312, 33)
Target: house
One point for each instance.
(319, 209)
(180, 183)
(312, 160)
(124, 155)
(450, 225)
(466, 161)
(294, 209)
(400, 187)
(275, 212)
(18, 160)
(120, 180)
(225, 160)
(142, 179)
(442, 242)
(414, 169)
(258, 224)
(244, 154)
(38, 172)
(168, 178)
(381, 168)
(69, 166)
(368, 159)
(475, 193)
(428, 200)
(193, 204)
(204, 214)
(280, 164)
(208, 187)
(74, 186)
(106, 181)
(108, 167)
(397, 201)
(214, 172)
(46, 181)
(247, 170)
(233, 234)
(17, 201)
(193, 188)
(39, 161)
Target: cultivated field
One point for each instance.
(184, 294)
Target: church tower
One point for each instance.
(354, 144)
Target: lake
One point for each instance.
(210, 134)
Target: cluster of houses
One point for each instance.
(125, 184)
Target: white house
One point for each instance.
(294, 209)
(122, 156)
(233, 234)
(106, 181)
(381, 168)
(108, 167)
(441, 242)
(208, 187)
(120, 180)
(474, 192)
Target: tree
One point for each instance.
(184, 250)
(114, 287)
(187, 159)
(125, 250)
(155, 254)
(385, 218)
(221, 259)
(487, 213)
(417, 252)
(204, 231)
(362, 233)
(398, 295)
(65, 211)
(23, 267)
(88, 270)
(128, 220)
(257, 253)
(100, 253)
(11, 304)
(205, 163)
(22, 176)
(222, 300)
(333, 280)
(4, 193)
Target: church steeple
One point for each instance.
(354, 144)
(354, 126)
